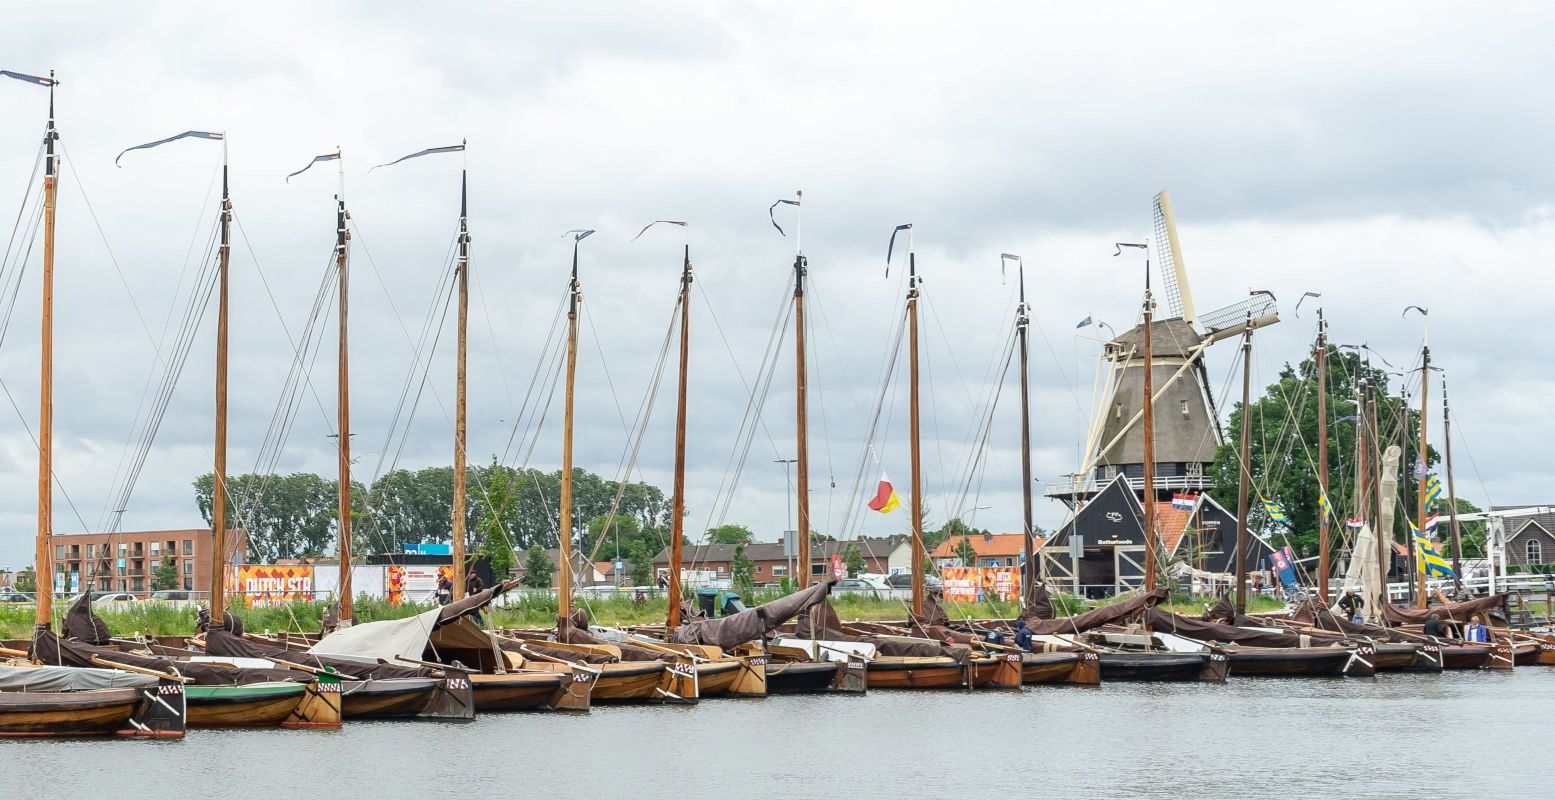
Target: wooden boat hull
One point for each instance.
(985, 672)
(888, 672)
(1154, 666)
(1075, 668)
(1291, 662)
(91, 713)
(519, 691)
(1547, 654)
(716, 677)
(800, 677)
(1525, 653)
(1465, 657)
(628, 682)
(387, 698)
(1400, 657)
(262, 705)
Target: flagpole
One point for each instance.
(564, 530)
(1239, 560)
(1452, 496)
(43, 579)
(219, 460)
(343, 403)
(1322, 457)
(1148, 493)
(460, 392)
(1420, 504)
(917, 470)
(1022, 322)
(678, 521)
(802, 454)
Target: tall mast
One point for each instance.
(459, 392)
(1322, 457)
(1452, 497)
(43, 567)
(1425, 377)
(343, 404)
(564, 532)
(678, 513)
(219, 461)
(1239, 560)
(801, 406)
(1374, 491)
(1148, 491)
(917, 471)
(1028, 544)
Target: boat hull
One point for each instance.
(888, 672)
(92, 713)
(1525, 653)
(716, 678)
(243, 706)
(1075, 668)
(1154, 666)
(629, 682)
(800, 677)
(516, 691)
(1291, 662)
(387, 698)
(1402, 657)
(1465, 657)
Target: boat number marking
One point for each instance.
(170, 688)
(683, 669)
(332, 686)
(1366, 650)
(581, 677)
(1012, 657)
(458, 683)
(1089, 657)
(855, 665)
(758, 661)
(1216, 657)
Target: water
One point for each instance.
(1456, 734)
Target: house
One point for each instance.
(584, 571)
(993, 550)
(769, 563)
(127, 561)
(1109, 530)
(1529, 540)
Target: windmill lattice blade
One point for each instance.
(1168, 254)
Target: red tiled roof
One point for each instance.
(993, 544)
(1170, 524)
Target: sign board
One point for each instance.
(976, 584)
(414, 584)
(1076, 546)
(790, 544)
(837, 570)
(264, 585)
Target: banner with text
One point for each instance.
(975, 584)
(263, 585)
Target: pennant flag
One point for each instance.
(216, 135)
(1084, 322)
(886, 499)
(1354, 522)
(335, 156)
(1433, 491)
(453, 148)
(889, 248)
(25, 78)
(1323, 505)
(1419, 468)
(655, 222)
(1429, 560)
(773, 217)
(1003, 257)
(1183, 502)
(1276, 512)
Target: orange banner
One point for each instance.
(264, 585)
(975, 584)
(415, 584)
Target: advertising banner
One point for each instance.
(263, 585)
(975, 584)
(414, 584)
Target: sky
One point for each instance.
(1384, 156)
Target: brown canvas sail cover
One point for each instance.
(575, 630)
(821, 622)
(83, 625)
(1038, 602)
(222, 643)
(50, 649)
(1106, 615)
(1202, 631)
(1449, 612)
(752, 623)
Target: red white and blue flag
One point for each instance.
(24, 77)
(1184, 502)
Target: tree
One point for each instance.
(952, 527)
(740, 568)
(27, 581)
(285, 516)
(496, 544)
(853, 559)
(538, 569)
(166, 575)
(730, 534)
(1283, 448)
(966, 552)
(1472, 533)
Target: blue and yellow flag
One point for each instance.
(1323, 505)
(1428, 559)
(1433, 491)
(1276, 512)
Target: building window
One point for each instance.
(156, 548)
(760, 569)
(188, 547)
(188, 583)
(59, 552)
(817, 569)
(778, 572)
(124, 550)
(1183, 404)
(188, 566)
(123, 585)
(1535, 550)
(91, 551)
(1118, 411)
(139, 585)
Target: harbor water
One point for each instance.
(1456, 734)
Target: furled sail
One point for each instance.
(752, 623)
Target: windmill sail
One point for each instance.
(1168, 253)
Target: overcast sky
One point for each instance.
(1384, 155)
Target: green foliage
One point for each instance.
(740, 568)
(952, 527)
(27, 581)
(1283, 447)
(1472, 533)
(166, 575)
(966, 552)
(538, 570)
(496, 542)
(286, 516)
(853, 559)
(623, 536)
(730, 534)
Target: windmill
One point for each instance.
(1187, 425)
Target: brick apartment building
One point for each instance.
(127, 561)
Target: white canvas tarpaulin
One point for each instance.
(390, 640)
(69, 679)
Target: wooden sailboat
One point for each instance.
(44, 701)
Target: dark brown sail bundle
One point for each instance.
(752, 623)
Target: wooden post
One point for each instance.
(1322, 458)
(1147, 492)
(1028, 543)
(43, 556)
(219, 459)
(912, 413)
(678, 521)
(1425, 377)
(802, 454)
(1452, 497)
(459, 391)
(564, 530)
(343, 412)
(1239, 562)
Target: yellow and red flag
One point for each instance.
(886, 499)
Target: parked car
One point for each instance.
(173, 597)
(869, 586)
(112, 597)
(14, 597)
(903, 580)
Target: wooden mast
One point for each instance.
(1239, 560)
(43, 565)
(1420, 506)
(564, 531)
(1452, 496)
(343, 405)
(1148, 490)
(801, 405)
(459, 392)
(917, 471)
(1322, 457)
(1374, 490)
(678, 512)
(219, 460)
(1028, 543)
